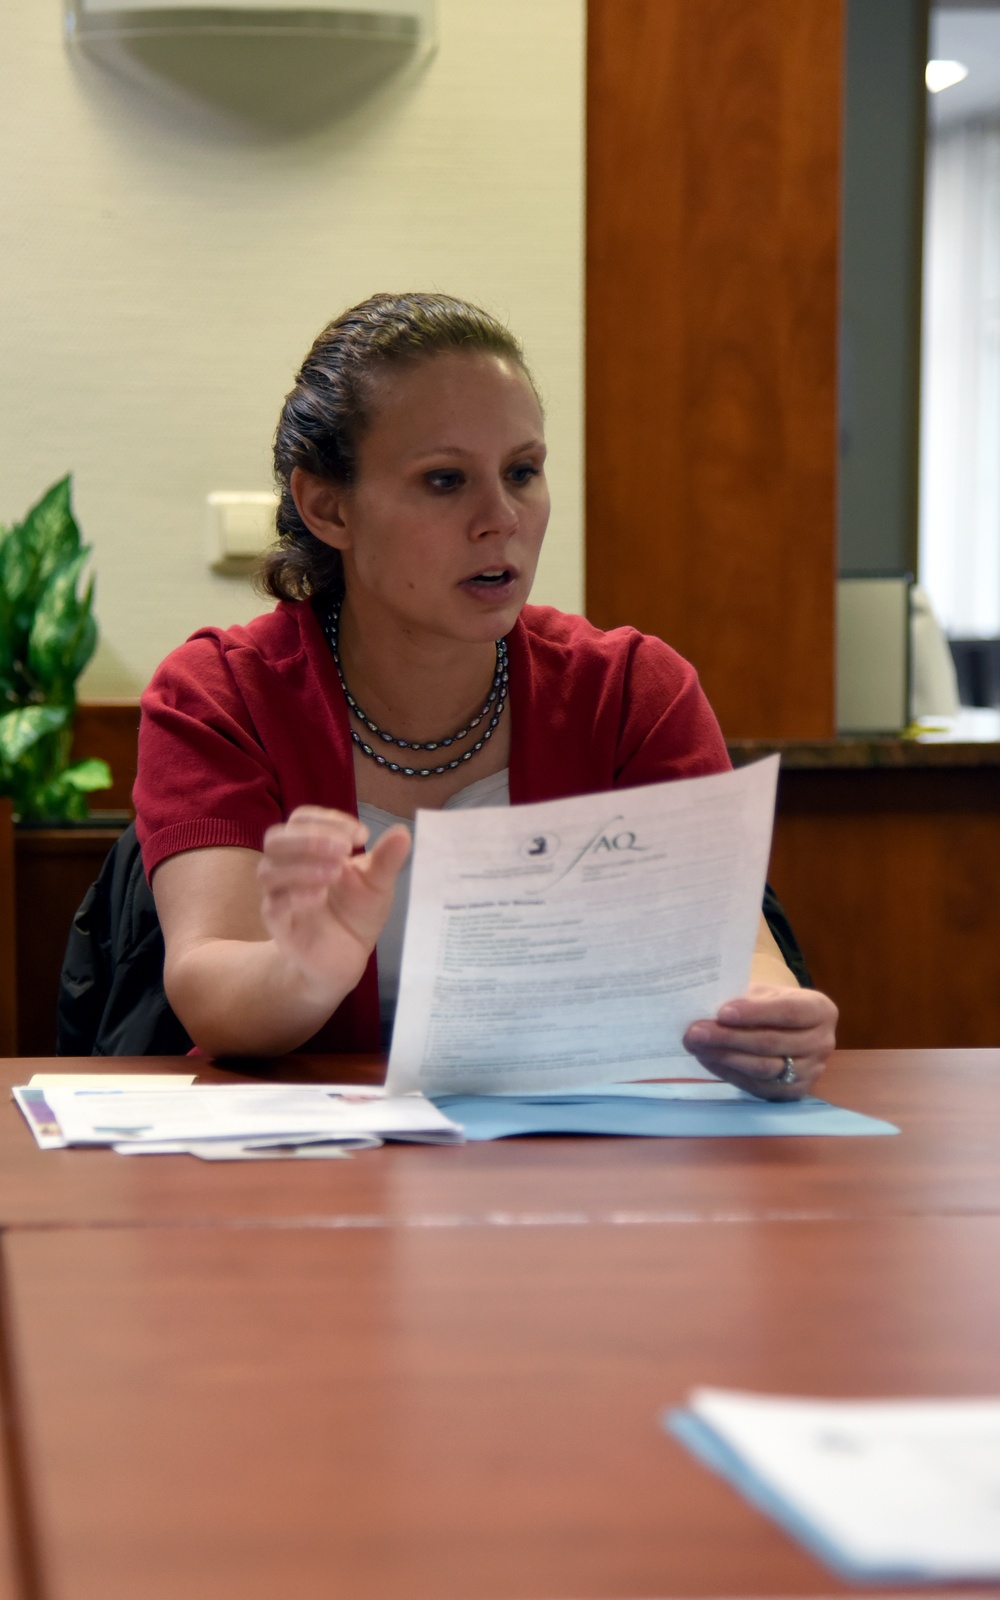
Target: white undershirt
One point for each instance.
(493, 791)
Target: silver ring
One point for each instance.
(788, 1073)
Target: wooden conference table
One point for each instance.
(439, 1372)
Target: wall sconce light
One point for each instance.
(396, 20)
(279, 64)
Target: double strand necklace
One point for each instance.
(496, 699)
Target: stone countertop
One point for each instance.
(972, 739)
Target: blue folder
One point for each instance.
(651, 1110)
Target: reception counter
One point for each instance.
(887, 858)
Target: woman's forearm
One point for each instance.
(768, 964)
(262, 949)
(769, 967)
(242, 997)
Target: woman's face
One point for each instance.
(443, 524)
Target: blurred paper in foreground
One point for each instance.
(905, 1490)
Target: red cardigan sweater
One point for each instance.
(241, 725)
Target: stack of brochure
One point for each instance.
(167, 1115)
(225, 1122)
(885, 1490)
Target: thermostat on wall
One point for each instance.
(240, 529)
(125, 19)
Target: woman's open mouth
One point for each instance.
(493, 583)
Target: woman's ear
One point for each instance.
(321, 506)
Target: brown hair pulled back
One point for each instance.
(333, 402)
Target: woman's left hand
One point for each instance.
(752, 1038)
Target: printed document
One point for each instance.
(156, 1118)
(572, 942)
(891, 1489)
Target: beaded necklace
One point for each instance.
(497, 698)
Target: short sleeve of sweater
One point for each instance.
(204, 775)
(668, 729)
(602, 710)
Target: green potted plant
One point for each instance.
(47, 636)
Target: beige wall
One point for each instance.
(168, 249)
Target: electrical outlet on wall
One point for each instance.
(240, 529)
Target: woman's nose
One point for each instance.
(496, 513)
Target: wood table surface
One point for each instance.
(17, 1571)
(946, 1103)
(450, 1414)
(430, 1372)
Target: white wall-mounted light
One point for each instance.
(284, 65)
(944, 74)
(402, 20)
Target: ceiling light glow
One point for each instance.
(943, 74)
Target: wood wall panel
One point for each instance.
(890, 880)
(8, 945)
(887, 875)
(712, 247)
(54, 869)
(109, 729)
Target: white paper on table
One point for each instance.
(108, 1080)
(572, 942)
(31, 1102)
(243, 1112)
(37, 1113)
(239, 1150)
(907, 1488)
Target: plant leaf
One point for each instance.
(52, 802)
(63, 634)
(18, 578)
(86, 776)
(7, 641)
(47, 635)
(46, 539)
(23, 728)
(52, 531)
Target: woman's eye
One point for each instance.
(444, 481)
(523, 472)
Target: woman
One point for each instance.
(400, 669)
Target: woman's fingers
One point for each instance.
(309, 851)
(769, 1088)
(767, 1044)
(771, 1022)
(362, 897)
(771, 1005)
(276, 876)
(763, 1078)
(311, 832)
(322, 898)
(383, 862)
(325, 817)
(753, 1037)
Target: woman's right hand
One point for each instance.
(323, 905)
